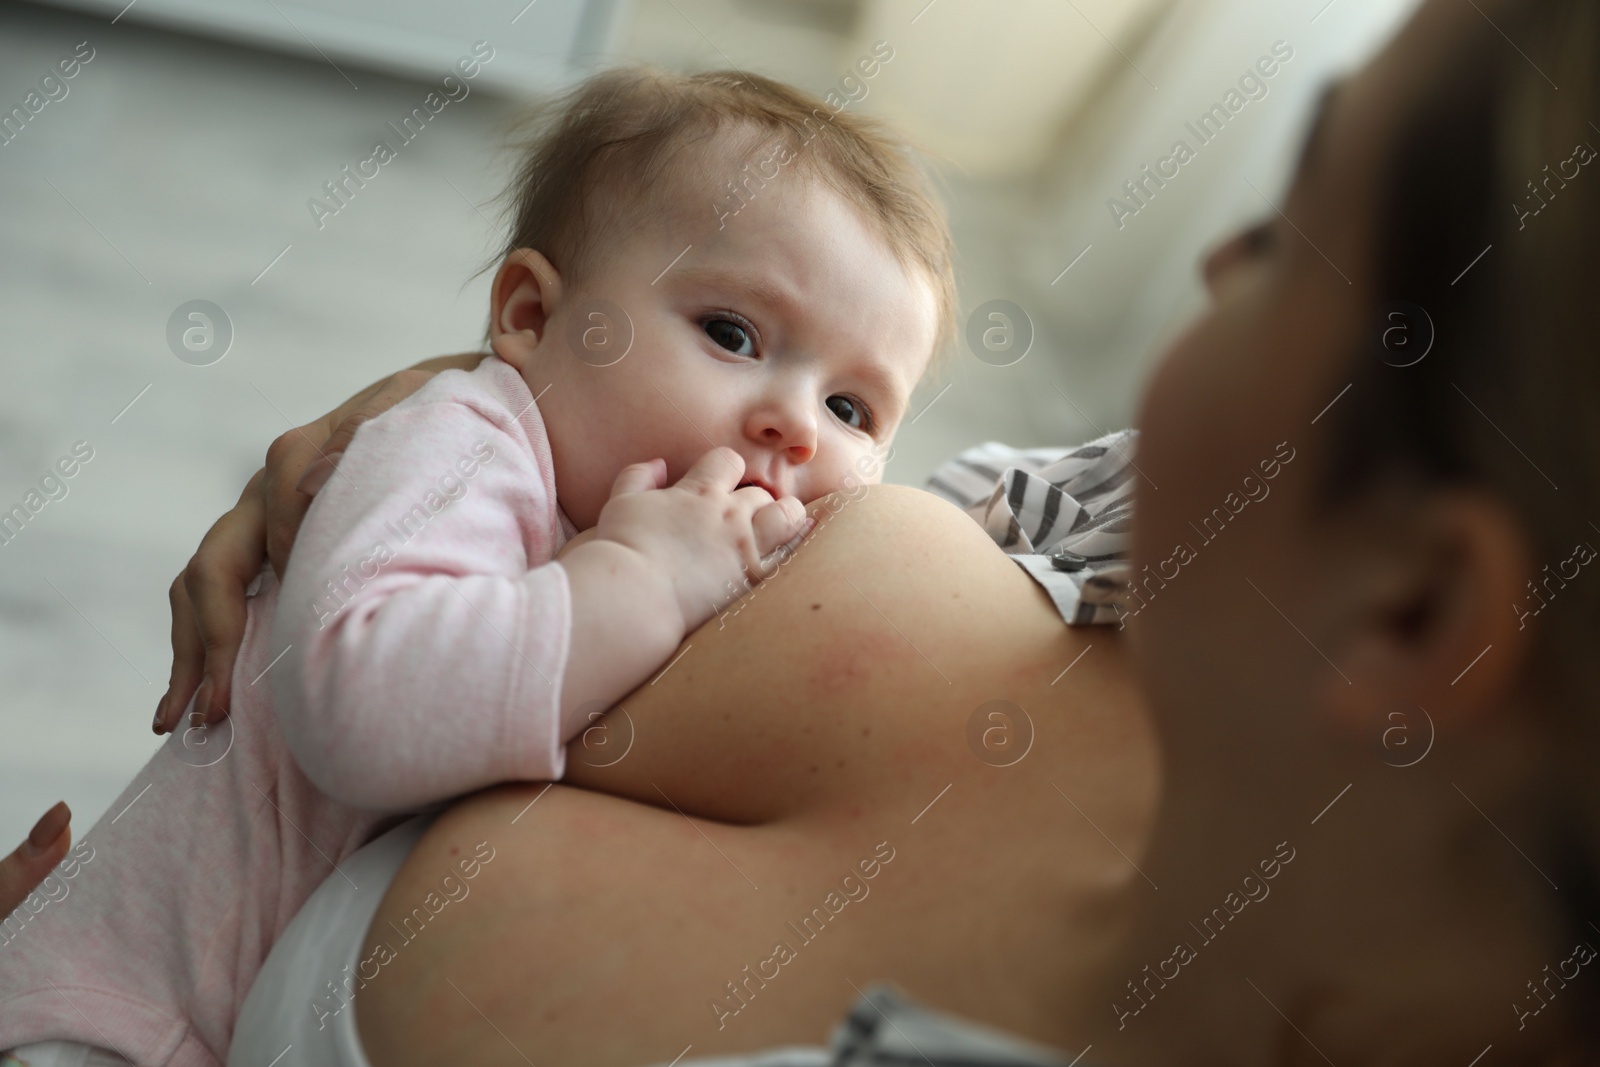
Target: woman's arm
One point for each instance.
(207, 598)
(829, 722)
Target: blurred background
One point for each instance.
(178, 161)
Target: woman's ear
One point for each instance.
(522, 300)
(1431, 612)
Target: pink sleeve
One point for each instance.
(426, 628)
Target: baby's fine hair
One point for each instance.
(599, 153)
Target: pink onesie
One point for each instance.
(418, 655)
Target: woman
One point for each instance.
(1379, 833)
(1316, 885)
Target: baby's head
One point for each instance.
(719, 260)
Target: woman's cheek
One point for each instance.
(1166, 408)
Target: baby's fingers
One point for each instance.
(779, 527)
(640, 477)
(719, 468)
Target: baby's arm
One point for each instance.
(428, 636)
(434, 648)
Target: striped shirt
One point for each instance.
(885, 1029)
(1062, 513)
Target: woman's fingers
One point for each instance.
(217, 593)
(208, 611)
(301, 461)
(282, 503)
(23, 870)
(228, 560)
(188, 658)
(317, 474)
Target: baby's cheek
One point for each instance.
(844, 475)
(854, 470)
(835, 501)
(870, 463)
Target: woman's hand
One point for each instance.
(208, 601)
(23, 870)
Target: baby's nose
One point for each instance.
(788, 430)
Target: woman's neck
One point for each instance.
(1418, 954)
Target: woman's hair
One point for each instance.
(1494, 161)
(619, 143)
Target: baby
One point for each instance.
(715, 300)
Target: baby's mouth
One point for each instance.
(759, 485)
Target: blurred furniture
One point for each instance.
(539, 44)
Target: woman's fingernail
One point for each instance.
(161, 711)
(47, 829)
(202, 704)
(317, 474)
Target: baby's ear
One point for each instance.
(522, 300)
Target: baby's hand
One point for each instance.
(702, 534)
(582, 537)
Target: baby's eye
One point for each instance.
(851, 412)
(730, 335)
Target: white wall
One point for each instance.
(1109, 315)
